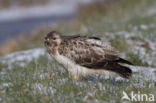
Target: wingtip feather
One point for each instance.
(120, 60)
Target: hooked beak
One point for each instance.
(47, 42)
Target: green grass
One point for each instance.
(56, 86)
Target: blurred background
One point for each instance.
(28, 75)
(22, 16)
(24, 23)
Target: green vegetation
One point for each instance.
(127, 24)
(40, 82)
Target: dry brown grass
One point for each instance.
(109, 8)
(87, 15)
(25, 41)
(12, 45)
(37, 35)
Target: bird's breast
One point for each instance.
(63, 60)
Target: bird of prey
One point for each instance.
(84, 56)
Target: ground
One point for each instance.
(130, 26)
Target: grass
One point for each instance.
(40, 82)
(43, 80)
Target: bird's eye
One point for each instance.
(54, 38)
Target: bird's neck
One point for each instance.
(54, 50)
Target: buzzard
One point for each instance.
(83, 55)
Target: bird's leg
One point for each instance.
(74, 76)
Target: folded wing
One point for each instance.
(92, 53)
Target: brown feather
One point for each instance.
(84, 52)
(92, 53)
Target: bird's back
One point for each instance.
(84, 49)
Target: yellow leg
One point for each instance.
(75, 77)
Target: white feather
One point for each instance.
(76, 69)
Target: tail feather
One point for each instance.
(123, 71)
(120, 60)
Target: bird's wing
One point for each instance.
(92, 53)
(88, 51)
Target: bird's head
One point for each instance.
(52, 39)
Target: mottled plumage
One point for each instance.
(83, 55)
